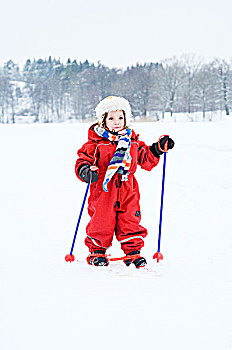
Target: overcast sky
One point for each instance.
(119, 33)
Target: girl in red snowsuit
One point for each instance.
(108, 161)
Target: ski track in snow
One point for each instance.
(184, 302)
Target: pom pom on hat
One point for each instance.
(113, 103)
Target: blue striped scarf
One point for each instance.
(121, 160)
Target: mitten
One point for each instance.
(86, 174)
(158, 148)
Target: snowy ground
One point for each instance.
(46, 303)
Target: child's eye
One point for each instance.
(110, 118)
(121, 118)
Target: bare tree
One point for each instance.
(167, 80)
(192, 65)
(223, 75)
(207, 90)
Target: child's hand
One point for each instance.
(158, 148)
(166, 139)
(87, 174)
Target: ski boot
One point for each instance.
(135, 258)
(98, 258)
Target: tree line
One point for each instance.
(47, 90)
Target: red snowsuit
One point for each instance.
(117, 210)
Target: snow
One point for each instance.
(47, 303)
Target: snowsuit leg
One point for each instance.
(128, 230)
(100, 229)
(116, 211)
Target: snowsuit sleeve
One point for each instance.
(86, 155)
(146, 159)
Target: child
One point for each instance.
(108, 161)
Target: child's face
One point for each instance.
(115, 121)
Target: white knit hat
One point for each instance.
(113, 103)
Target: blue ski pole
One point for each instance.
(70, 257)
(158, 255)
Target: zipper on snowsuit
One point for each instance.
(118, 186)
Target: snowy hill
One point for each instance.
(46, 303)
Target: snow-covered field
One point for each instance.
(47, 303)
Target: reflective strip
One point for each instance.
(130, 238)
(96, 242)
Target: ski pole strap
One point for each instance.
(165, 145)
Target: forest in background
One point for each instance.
(48, 90)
